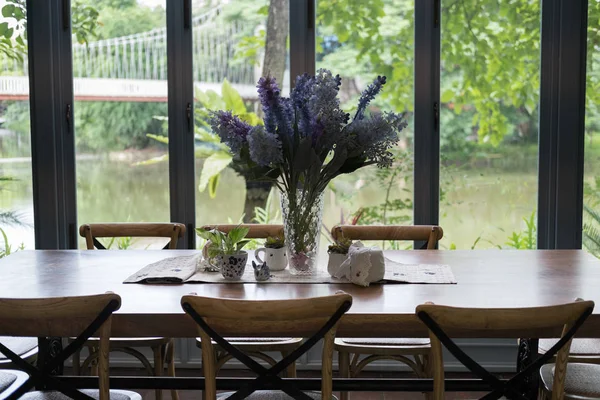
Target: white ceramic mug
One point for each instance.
(276, 259)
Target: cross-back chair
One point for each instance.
(256, 347)
(356, 354)
(163, 349)
(81, 317)
(444, 321)
(315, 318)
(91, 232)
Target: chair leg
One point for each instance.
(170, 358)
(290, 371)
(77, 363)
(344, 366)
(158, 367)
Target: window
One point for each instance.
(16, 200)
(358, 41)
(591, 194)
(120, 87)
(230, 55)
(490, 74)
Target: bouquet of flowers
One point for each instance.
(306, 141)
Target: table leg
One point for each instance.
(528, 352)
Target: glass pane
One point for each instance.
(230, 55)
(16, 199)
(490, 71)
(359, 41)
(120, 83)
(591, 195)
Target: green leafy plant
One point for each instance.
(123, 243)
(341, 246)
(216, 155)
(7, 250)
(275, 242)
(591, 224)
(526, 239)
(221, 243)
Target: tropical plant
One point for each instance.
(341, 246)
(527, 238)
(591, 224)
(221, 243)
(275, 242)
(216, 155)
(7, 249)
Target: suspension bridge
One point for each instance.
(134, 68)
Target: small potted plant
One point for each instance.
(224, 251)
(275, 253)
(338, 252)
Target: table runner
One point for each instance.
(189, 269)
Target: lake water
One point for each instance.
(483, 203)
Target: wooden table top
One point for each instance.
(486, 278)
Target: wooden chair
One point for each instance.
(25, 347)
(410, 351)
(91, 232)
(444, 321)
(256, 347)
(63, 317)
(163, 349)
(316, 318)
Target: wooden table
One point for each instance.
(486, 278)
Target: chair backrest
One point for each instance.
(256, 231)
(91, 232)
(312, 318)
(443, 321)
(80, 317)
(430, 234)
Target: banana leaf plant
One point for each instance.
(216, 155)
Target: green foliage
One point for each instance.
(271, 213)
(526, 239)
(224, 244)
(7, 250)
(216, 155)
(591, 224)
(490, 56)
(275, 242)
(113, 126)
(341, 246)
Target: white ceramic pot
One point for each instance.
(334, 263)
(232, 267)
(276, 259)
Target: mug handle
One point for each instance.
(257, 254)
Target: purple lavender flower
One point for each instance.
(368, 95)
(300, 97)
(232, 130)
(278, 111)
(324, 106)
(375, 136)
(264, 147)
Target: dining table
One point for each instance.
(484, 279)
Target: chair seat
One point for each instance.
(11, 380)
(24, 347)
(271, 395)
(260, 343)
(133, 342)
(392, 346)
(51, 395)
(582, 382)
(579, 347)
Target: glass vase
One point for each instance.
(302, 213)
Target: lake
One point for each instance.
(484, 202)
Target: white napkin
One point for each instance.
(363, 265)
